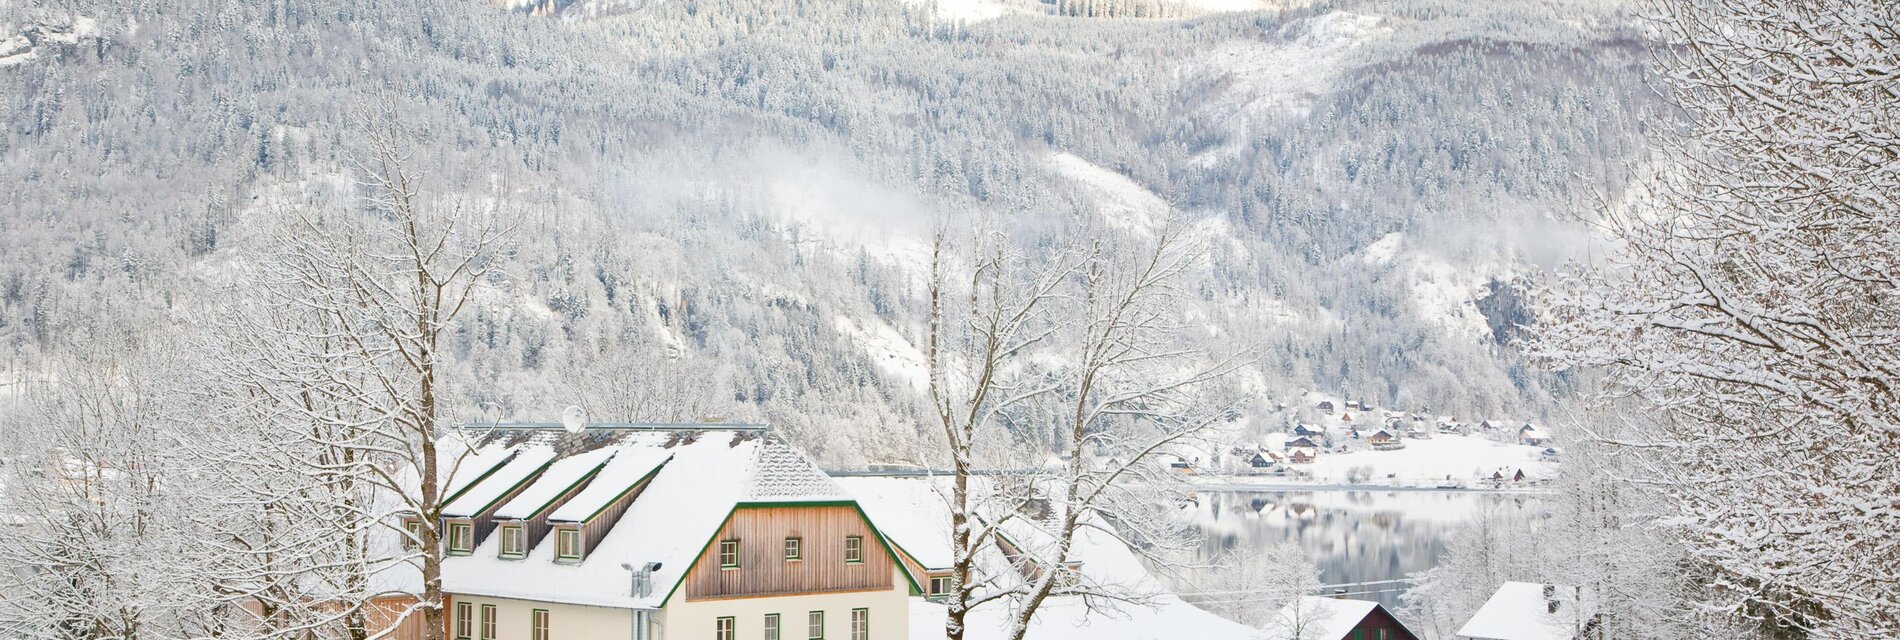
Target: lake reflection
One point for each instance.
(1353, 536)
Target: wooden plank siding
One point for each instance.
(763, 569)
(597, 527)
(393, 616)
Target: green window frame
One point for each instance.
(412, 526)
(488, 622)
(728, 554)
(538, 627)
(513, 541)
(771, 626)
(725, 628)
(815, 625)
(464, 620)
(853, 549)
(794, 549)
(461, 538)
(860, 624)
(567, 544)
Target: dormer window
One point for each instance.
(461, 538)
(940, 585)
(794, 549)
(567, 544)
(853, 549)
(728, 554)
(514, 541)
(412, 526)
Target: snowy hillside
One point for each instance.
(744, 204)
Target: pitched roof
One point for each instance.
(695, 478)
(553, 483)
(527, 462)
(629, 466)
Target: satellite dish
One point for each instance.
(574, 419)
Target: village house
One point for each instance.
(1263, 459)
(1382, 438)
(656, 532)
(1530, 435)
(1309, 431)
(1326, 406)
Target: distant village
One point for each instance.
(1355, 442)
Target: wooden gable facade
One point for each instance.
(760, 532)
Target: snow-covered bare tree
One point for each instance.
(93, 507)
(989, 307)
(1075, 374)
(341, 361)
(1264, 587)
(1748, 308)
(1132, 384)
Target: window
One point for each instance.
(567, 544)
(723, 629)
(540, 629)
(860, 624)
(794, 549)
(771, 626)
(464, 620)
(511, 541)
(853, 549)
(488, 622)
(939, 585)
(815, 625)
(728, 554)
(414, 527)
(461, 537)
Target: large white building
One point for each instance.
(638, 532)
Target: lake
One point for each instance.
(1352, 535)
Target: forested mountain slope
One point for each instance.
(724, 205)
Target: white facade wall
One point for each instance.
(514, 620)
(694, 620)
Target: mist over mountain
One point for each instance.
(725, 207)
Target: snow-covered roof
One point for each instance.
(781, 474)
(914, 515)
(528, 461)
(1318, 618)
(1519, 611)
(553, 483)
(695, 478)
(910, 511)
(464, 465)
(628, 467)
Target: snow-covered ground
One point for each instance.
(1124, 204)
(1266, 79)
(888, 349)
